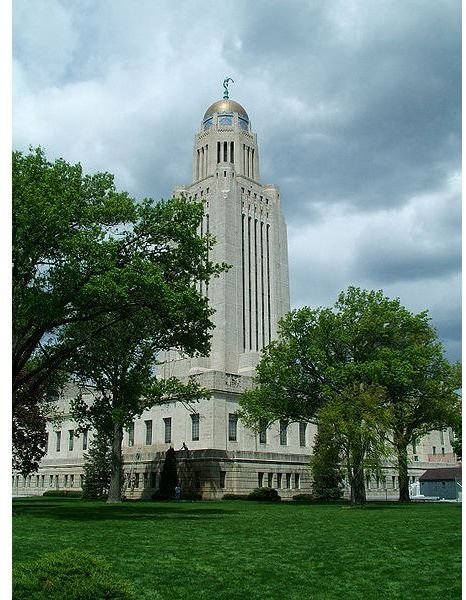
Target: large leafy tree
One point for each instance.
(364, 340)
(119, 362)
(355, 422)
(86, 257)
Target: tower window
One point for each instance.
(131, 435)
(232, 427)
(218, 152)
(195, 427)
(225, 151)
(302, 434)
(263, 432)
(168, 430)
(283, 433)
(232, 152)
(148, 432)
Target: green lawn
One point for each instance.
(254, 551)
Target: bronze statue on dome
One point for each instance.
(225, 85)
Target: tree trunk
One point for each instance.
(114, 492)
(402, 456)
(358, 485)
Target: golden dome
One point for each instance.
(225, 106)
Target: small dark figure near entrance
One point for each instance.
(177, 492)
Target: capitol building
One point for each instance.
(223, 456)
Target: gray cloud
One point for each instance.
(356, 106)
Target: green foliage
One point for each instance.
(327, 480)
(91, 268)
(168, 475)
(68, 574)
(305, 498)
(63, 494)
(97, 468)
(356, 423)
(366, 347)
(264, 495)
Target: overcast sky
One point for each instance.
(356, 105)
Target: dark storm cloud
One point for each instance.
(390, 78)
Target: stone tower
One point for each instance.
(246, 219)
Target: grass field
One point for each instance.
(239, 550)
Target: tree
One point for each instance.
(169, 475)
(364, 341)
(119, 358)
(119, 362)
(97, 467)
(86, 254)
(327, 479)
(355, 423)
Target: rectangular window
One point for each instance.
(434, 450)
(42, 481)
(71, 480)
(232, 427)
(131, 435)
(222, 479)
(288, 480)
(279, 481)
(195, 427)
(70, 439)
(168, 430)
(260, 480)
(394, 482)
(37, 480)
(85, 433)
(58, 441)
(443, 450)
(148, 425)
(263, 431)
(50, 480)
(270, 480)
(297, 481)
(283, 433)
(302, 434)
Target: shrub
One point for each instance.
(69, 574)
(235, 497)
(63, 493)
(304, 498)
(264, 494)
